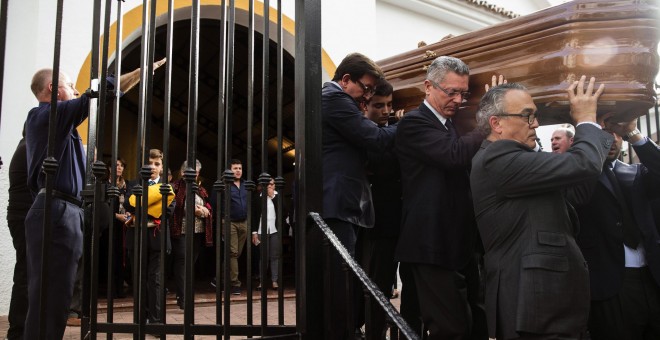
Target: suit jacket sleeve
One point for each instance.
(649, 156)
(524, 173)
(429, 142)
(342, 114)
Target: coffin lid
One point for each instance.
(614, 41)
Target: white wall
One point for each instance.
(373, 27)
(399, 31)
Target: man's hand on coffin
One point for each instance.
(584, 101)
(495, 81)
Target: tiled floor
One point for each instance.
(204, 313)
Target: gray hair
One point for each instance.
(443, 65)
(568, 131)
(492, 103)
(184, 165)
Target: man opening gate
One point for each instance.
(107, 109)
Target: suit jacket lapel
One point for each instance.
(625, 174)
(432, 117)
(602, 178)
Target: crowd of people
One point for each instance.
(491, 237)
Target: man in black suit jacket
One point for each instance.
(537, 282)
(347, 137)
(375, 246)
(438, 230)
(620, 240)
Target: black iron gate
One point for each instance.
(101, 185)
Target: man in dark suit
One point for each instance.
(619, 239)
(376, 245)
(438, 230)
(537, 282)
(347, 136)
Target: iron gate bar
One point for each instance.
(88, 192)
(657, 121)
(164, 188)
(264, 178)
(50, 167)
(190, 174)
(98, 169)
(250, 123)
(3, 44)
(113, 190)
(229, 176)
(648, 124)
(164, 231)
(219, 185)
(279, 180)
(141, 192)
(362, 276)
(308, 150)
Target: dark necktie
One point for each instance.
(151, 182)
(450, 127)
(631, 234)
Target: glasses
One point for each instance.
(368, 90)
(451, 93)
(531, 117)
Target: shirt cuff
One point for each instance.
(641, 142)
(592, 123)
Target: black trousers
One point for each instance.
(65, 251)
(443, 301)
(19, 302)
(377, 260)
(154, 285)
(179, 259)
(334, 303)
(632, 314)
(447, 304)
(409, 300)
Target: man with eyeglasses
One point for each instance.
(347, 137)
(438, 235)
(537, 281)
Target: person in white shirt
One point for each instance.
(274, 245)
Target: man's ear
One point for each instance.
(427, 87)
(363, 107)
(494, 123)
(345, 79)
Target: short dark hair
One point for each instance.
(492, 104)
(155, 153)
(235, 161)
(383, 88)
(357, 65)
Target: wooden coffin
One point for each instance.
(615, 41)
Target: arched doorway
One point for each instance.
(208, 101)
